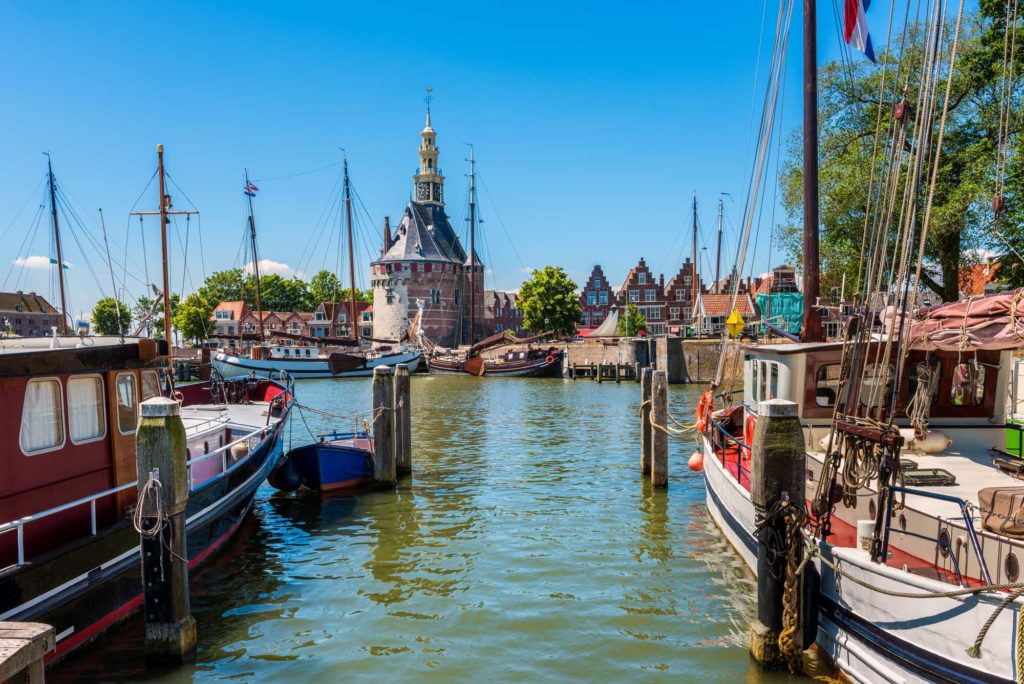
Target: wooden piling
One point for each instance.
(384, 471)
(160, 457)
(600, 372)
(778, 473)
(23, 645)
(403, 421)
(659, 438)
(636, 372)
(645, 421)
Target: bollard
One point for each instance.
(645, 421)
(777, 473)
(636, 372)
(659, 438)
(403, 421)
(160, 457)
(600, 372)
(384, 473)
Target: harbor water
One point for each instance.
(525, 547)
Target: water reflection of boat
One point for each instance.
(340, 460)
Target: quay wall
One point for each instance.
(684, 360)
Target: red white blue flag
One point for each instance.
(250, 189)
(855, 27)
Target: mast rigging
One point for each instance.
(351, 256)
(56, 239)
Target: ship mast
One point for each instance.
(351, 256)
(812, 318)
(164, 212)
(56, 239)
(472, 246)
(255, 257)
(696, 278)
(718, 252)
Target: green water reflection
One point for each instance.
(526, 547)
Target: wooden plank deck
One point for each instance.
(22, 648)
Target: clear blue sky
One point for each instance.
(593, 124)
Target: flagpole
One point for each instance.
(812, 317)
(249, 192)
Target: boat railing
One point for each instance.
(194, 428)
(965, 512)
(223, 452)
(18, 525)
(719, 448)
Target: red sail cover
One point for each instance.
(992, 322)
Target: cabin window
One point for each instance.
(42, 417)
(150, 385)
(127, 403)
(968, 384)
(762, 382)
(872, 392)
(773, 380)
(85, 409)
(826, 384)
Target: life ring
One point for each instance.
(748, 432)
(550, 359)
(707, 400)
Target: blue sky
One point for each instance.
(593, 125)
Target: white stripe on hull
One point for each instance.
(234, 366)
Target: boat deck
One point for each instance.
(200, 417)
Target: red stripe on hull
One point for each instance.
(346, 484)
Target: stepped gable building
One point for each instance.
(647, 294)
(424, 260)
(596, 299)
(502, 312)
(27, 314)
(679, 293)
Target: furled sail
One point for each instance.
(991, 322)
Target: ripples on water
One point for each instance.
(524, 548)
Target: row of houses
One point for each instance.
(334, 319)
(682, 305)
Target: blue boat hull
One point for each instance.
(327, 466)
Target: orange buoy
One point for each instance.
(696, 462)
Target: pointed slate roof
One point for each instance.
(424, 234)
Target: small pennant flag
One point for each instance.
(250, 189)
(54, 262)
(855, 27)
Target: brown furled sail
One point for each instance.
(339, 362)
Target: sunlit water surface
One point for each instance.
(525, 547)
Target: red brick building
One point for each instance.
(502, 312)
(28, 314)
(679, 294)
(596, 299)
(648, 294)
(714, 309)
(334, 319)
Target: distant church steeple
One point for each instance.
(429, 181)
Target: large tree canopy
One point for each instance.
(550, 302)
(961, 223)
(105, 319)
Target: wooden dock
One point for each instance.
(23, 645)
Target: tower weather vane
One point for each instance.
(429, 98)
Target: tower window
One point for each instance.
(435, 297)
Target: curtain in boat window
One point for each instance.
(85, 408)
(127, 403)
(42, 419)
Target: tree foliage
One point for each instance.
(105, 317)
(961, 220)
(324, 287)
(550, 302)
(192, 317)
(631, 322)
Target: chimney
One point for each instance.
(387, 234)
(661, 280)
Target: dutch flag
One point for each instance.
(855, 27)
(250, 189)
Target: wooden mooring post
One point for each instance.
(645, 421)
(600, 372)
(384, 469)
(659, 437)
(778, 474)
(23, 645)
(403, 421)
(163, 490)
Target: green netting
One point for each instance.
(782, 309)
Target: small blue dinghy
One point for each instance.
(340, 460)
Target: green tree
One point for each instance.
(105, 317)
(631, 322)
(192, 318)
(961, 214)
(550, 302)
(324, 287)
(223, 286)
(279, 293)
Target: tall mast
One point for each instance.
(812, 318)
(163, 212)
(718, 252)
(696, 277)
(60, 258)
(351, 256)
(472, 246)
(255, 257)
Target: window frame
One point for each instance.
(135, 383)
(102, 407)
(63, 417)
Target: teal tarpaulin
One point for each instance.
(782, 309)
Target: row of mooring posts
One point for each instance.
(653, 419)
(606, 372)
(163, 491)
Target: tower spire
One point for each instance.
(428, 99)
(429, 182)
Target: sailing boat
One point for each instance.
(68, 552)
(520, 360)
(312, 359)
(915, 509)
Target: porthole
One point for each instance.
(810, 475)
(903, 522)
(872, 509)
(944, 543)
(206, 447)
(1011, 566)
